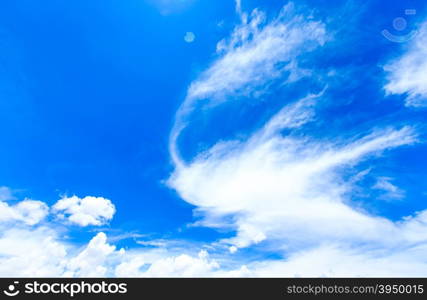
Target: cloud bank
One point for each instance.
(86, 211)
(287, 188)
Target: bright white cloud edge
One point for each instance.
(407, 74)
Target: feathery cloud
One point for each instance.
(85, 211)
(286, 188)
(407, 74)
(256, 53)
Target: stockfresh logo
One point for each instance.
(65, 288)
(12, 289)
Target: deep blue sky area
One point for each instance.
(89, 91)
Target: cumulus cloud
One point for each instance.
(28, 252)
(91, 262)
(29, 247)
(407, 74)
(34, 249)
(256, 53)
(28, 211)
(51, 256)
(41, 252)
(85, 211)
(183, 265)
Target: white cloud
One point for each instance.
(182, 266)
(31, 252)
(256, 53)
(390, 190)
(85, 211)
(29, 212)
(327, 259)
(249, 58)
(50, 256)
(40, 252)
(286, 188)
(232, 249)
(31, 248)
(164, 264)
(340, 261)
(91, 262)
(407, 74)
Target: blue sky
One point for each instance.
(213, 138)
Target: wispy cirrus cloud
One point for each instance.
(407, 74)
(257, 52)
(252, 56)
(390, 191)
(85, 211)
(290, 191)
(280, 187)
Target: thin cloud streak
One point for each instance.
(248, 60)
